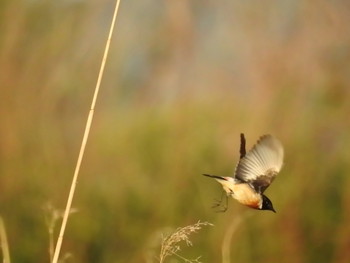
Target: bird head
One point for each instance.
(267, 204)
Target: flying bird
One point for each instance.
(254, 173)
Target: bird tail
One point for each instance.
(215, 176)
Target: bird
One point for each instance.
(254, 173)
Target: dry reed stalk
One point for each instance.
(4, 243)
(85, 137)
(170, 244)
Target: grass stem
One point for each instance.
(84, 141)
(4, 243)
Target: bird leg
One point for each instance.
(222, 207)
(218, 201)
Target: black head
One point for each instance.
(267, 204)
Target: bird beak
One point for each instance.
(273, 210)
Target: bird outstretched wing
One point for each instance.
(261, 164)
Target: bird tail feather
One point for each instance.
(215, 176)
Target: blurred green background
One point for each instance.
(183, 79)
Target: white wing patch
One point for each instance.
(264, 160)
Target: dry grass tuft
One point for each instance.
(52, 215)
(170, 243)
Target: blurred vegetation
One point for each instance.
(184, 78)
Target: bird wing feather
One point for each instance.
(261, 164)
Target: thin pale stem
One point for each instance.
(225, 249)
(4, 242)
(85, 137)
(51, 244)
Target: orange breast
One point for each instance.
(244, 194)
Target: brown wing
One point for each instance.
(261, 164)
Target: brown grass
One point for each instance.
(171, 243)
